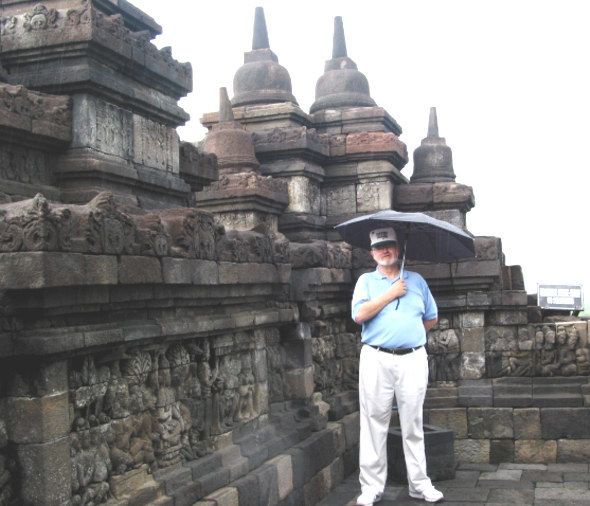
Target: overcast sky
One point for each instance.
(509, 79)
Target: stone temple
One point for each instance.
(174, 318)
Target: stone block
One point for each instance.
(510, 496)
(129, 483)
(561, 496)
(453, 216)
(441, 396)
(247, 273)
(298, 465)
(41, 269)
(32, 378)
(527, 423)
(375, 142)
(513, 392)
(341, 200)
(45, 468)
(317, 487)
(37, 420)
(299, 383)
(248, 491)
(490, 423)
(472, 365)
(454, 419)
(472, 339)
(204, 465)
(535, 451)
(350, 424)
(440, 455)
(100, 269)
(562, 423)
(573, 450)
(414, 196)
(501, 450)
(373, 196)
(475, 392)
(268, 486)
(319, 451)
(470, 319)
(501, 338)
(227, 496)
(213, 481)
(298, 354)
(508, 317)
(284, 470)
(139, 270)
(472, 450)
(447, 193)
(304, 195)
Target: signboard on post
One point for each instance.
(566, 297)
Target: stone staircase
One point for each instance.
(280, 461)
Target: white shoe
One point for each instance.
(368, 498)
(429, 495)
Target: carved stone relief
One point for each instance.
(154, 407)
(341, 200)
(444, 353)
(27, 166)
(155, 145)
(63, 21)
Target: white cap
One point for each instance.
(382, 236)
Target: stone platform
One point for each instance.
(478, 484)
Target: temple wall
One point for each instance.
(168, 334)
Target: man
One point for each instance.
(395, 314)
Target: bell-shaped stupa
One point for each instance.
(261, 80)
(341, 85)
(230, 142)
(433, 159)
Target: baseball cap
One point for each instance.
(382, 236)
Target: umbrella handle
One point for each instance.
(401, 271)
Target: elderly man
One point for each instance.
(395, 315)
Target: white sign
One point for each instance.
(560, 297)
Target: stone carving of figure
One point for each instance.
(117, 395)
(179, 369)
(567, 351)
(166, 423)
(275, 368)
(245, 408)
(548, 357)
(443, 346)
(90, 468)
(582, 352)
(207, 377)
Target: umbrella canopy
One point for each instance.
(425, 238)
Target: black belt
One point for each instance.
(396, 351)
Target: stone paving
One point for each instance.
(490, 484)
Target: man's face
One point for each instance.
(386, 255)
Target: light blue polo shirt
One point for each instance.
(395, 328)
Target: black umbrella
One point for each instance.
(421, 236)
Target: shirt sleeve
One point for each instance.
(430, 308)
(360, 295)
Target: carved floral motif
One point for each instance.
(41, 18)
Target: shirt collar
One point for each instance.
(377, 273)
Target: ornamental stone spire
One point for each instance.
(433, 159)
(261, 80)
(230, 142)
(341, 85)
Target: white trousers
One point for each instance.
(383, 376)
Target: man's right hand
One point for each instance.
(397, 290)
